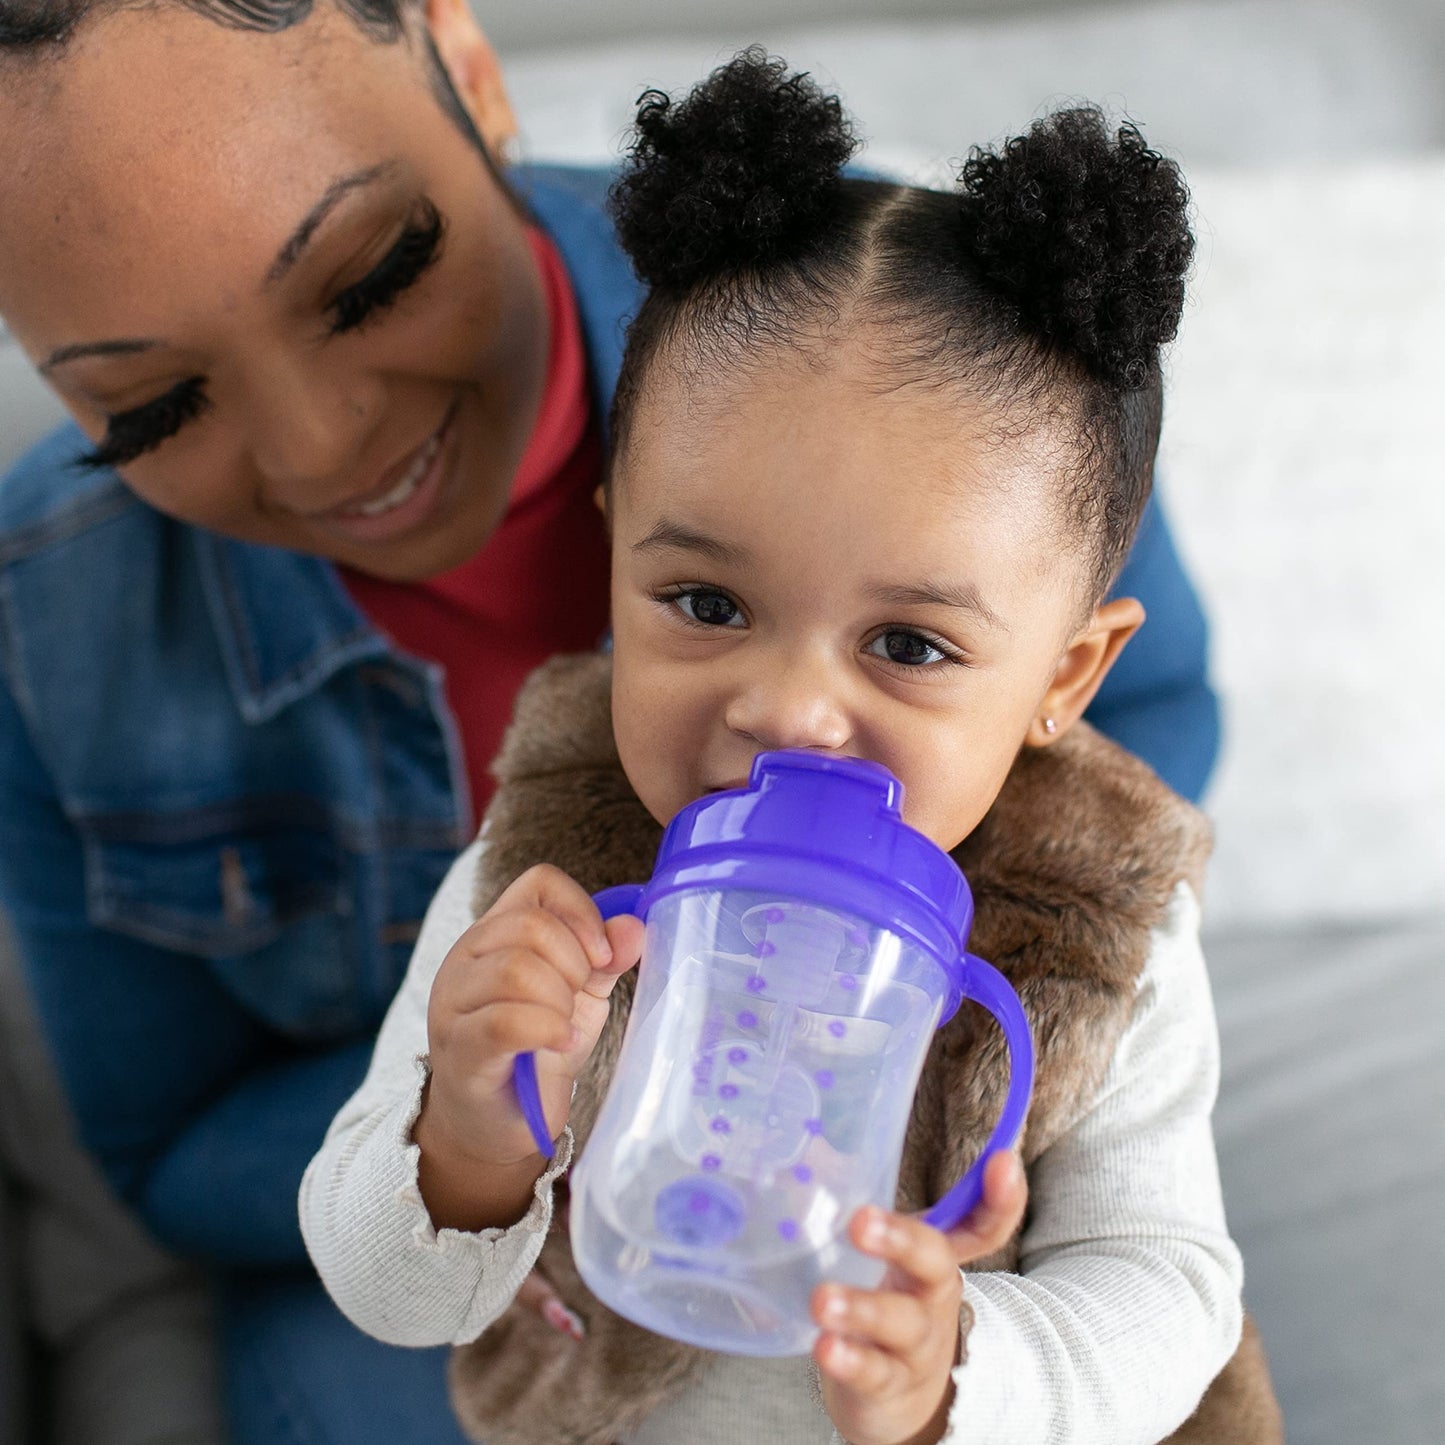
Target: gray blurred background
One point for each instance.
(1215, 79)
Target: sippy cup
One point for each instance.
(802, 945)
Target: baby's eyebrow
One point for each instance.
(962, 595)
(667, 536)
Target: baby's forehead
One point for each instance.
(816, 460)
(780, 410)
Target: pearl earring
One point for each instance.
(1050, 726)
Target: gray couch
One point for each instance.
(104, 1339)
(1302, 466)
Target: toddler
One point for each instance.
(878, 453)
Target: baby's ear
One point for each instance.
(1083, 668)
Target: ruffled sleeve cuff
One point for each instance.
(411, 1283)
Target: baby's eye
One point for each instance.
(907, 649)
(708, 608)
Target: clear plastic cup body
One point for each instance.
(760, 1098)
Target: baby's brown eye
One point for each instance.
(711, 609)
(907, 649)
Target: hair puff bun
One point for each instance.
(735, 175)
(1087, 235)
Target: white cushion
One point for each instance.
(1302, 460)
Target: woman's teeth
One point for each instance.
(405, 487)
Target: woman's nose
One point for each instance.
(310, 435)
(794, 706)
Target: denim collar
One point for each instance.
(285, 621)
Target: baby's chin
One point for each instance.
(661, 803)
(946, 833)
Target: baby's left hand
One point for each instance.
(886, 1355)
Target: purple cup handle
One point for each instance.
(987, 986)
(610, 902)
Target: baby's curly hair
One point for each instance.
(1046, 283)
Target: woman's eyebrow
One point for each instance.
(123, 346)
(335, 193)
(962, 595)
(286, 258)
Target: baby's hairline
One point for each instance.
(997, 426)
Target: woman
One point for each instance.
(340, 388)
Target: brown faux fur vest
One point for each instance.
(1071, 869)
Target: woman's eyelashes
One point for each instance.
(416, 250)
(130, 434)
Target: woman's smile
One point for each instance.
(408, 495)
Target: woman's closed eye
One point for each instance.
(704, 606)
(130, 434)
(415, 252)
(903, 647)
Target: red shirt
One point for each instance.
(539, 585)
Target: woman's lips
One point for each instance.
(407, 495)
(396, 494)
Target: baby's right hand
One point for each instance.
(532, 974)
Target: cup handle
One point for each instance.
(610, 902)
(987, 986)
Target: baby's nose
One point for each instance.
(796, 705)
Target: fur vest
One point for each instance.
(1073, 866)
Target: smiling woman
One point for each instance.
(339, 389)
(238, 338)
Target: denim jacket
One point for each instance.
(226, 801)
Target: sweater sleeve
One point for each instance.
(1127, 1300)
(368, 1232)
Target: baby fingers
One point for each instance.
(863, 1367)
(889, 1320)
(919, 1257)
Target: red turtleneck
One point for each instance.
(539, 585)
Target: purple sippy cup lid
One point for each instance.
(828, 830)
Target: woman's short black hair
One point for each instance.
(1045, 284)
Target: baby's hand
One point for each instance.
(532, 974)
(886, 1356)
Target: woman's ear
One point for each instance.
(475, 73)
(1083, 667)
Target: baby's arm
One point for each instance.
(374, 1243)
(1128, 1298)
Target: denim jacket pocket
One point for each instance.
(214, 891)
(265, 902)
